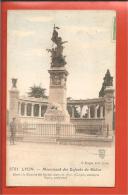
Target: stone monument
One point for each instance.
(108, 82)
(107, 92)
(14, 96)
(57, 102)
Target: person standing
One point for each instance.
(13, 131)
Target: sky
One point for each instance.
(90, 50)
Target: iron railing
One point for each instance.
(60, 130)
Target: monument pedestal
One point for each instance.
(57, 116)
(56, 112)
(57, 102)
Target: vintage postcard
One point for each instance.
(61, 98)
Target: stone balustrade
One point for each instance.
(87, 109)
(88, 112)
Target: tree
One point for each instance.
(76, 112)
(37, 92)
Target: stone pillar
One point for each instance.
(25, 109)
(32, 111)
(95, 111)
(19, 111)
(81, 107)
(101, 112)
(73, 112)
(57, 96)
(13, 101)
(39, 110)
(89, 116)
(109, 101)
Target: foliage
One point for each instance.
(37, 92)
(76, 113)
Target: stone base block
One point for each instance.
(54, 115)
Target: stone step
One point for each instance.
(88, 138)
(87, 141)
(66, 140)
(39, 139)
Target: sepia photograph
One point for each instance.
(61, 73)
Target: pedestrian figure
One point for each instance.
(12, 131)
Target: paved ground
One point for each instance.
(32, 158)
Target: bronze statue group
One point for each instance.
(57, 57)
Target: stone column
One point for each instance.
(73, 114)
(89, 116)
(13, 101)
(81, 107)
(32, 111)
(109, 101)
(39, 110)
(96, 111)
(101, 112)
(19, 111)
(25, 109)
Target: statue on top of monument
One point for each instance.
(108, 81)
(14, 81)
(57, 58)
